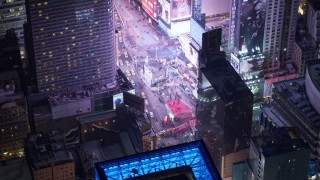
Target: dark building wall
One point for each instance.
(74, 43)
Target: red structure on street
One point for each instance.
(179, 110)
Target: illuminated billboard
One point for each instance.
(180, 9)
(150, 6)
(234, 26)
(252, 20)
(164, 11)
(117, 100)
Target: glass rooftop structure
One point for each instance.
(193, 154)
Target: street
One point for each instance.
(141, 44)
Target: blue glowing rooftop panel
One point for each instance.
(193, 154)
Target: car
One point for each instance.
(127, 63)
(143, 95)
(156, 37)
(151, 114)
(120, 39)
(132, 82)
(120, 62)
(133, 73)
(128, 73)
(125, 54)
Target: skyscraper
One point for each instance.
(224, 109)
(279, 32)
(13, 15)
(73, 43)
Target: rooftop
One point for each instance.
(93, 152)
(275, 116)
(121, 85)
(225, 80)
(43, 152)
(281, 140)
(294, 92)
(306, 42)
(193, 154)
(96, 116)
(178, 107)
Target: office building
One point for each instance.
(313, 21)
(224, 109)
(247, 23)
(246, 33)
(13, 16)
(48, 157)
(296, 102)
(72, 44)
(279, 155)
(192, 155)
(279, 33)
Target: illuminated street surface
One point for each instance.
(147, 45)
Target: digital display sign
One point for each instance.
(164, 11)
(117, 100)
(181, 9)
(252, 20)
(150, 6)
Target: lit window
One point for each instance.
(73, 37)
(76, 77)
(39, 4)
(47, 17)
(41, 29)
(45, 3)
(53, 34)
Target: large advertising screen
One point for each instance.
(164, 11)
(150, 6)
(252, 20)
(181, 9)
(234, 27)
(117, 100)
(134, 101)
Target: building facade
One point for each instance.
(14, 126)
(279, 33)
(224, 109)
(305, 50)
(73, 44)
(279, 155)
(13, 16)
